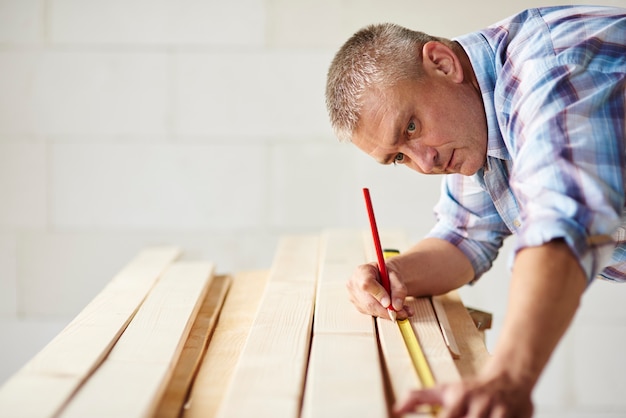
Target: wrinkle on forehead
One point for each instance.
(377, 120)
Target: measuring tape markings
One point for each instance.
(415, 352)
(424, 373)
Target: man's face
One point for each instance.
(433, 126)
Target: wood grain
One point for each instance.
(63, 365)
(271, 369)
(472, 349)
(223, 352)
(431, 340)
(175, 396)
(132, 379)
(344, 376)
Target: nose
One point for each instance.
(423, 159)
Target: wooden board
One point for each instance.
(232, 329)
(63, 365)
(399, 368)
(270, 372)
(473, 352)
(132, 379)
(431, 340)
(344, 376)
(173, 400)
(395, 355)
(275, 333)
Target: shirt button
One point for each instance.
(517, 223)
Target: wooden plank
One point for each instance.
(341, 252)
(344, 377)
(431, 340)
(398, 364)
(446, 329)
(132, 379)
(222, 354)
(473, 352)
(270, 372)
(427, 329)
(173, 400)
(60, 368)
(389, 239)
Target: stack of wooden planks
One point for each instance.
(169, 338)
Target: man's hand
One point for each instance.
(484, 397)
(371, 298)
(431, 267)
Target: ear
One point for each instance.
(440, 59)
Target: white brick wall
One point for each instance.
(126, 123)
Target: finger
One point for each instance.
(409, 310)
(480, 407)
(398, 290)
(371, 285)
(365, 292)
(417, 398)
(499, 411)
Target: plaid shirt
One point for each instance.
(553, 86)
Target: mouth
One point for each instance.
(450, 163)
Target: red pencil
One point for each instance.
(382, 267)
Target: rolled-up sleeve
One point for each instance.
(467, 218)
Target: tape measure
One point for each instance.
(422, 368)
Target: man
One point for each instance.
(526, 120)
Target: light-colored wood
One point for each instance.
(473, 352)
(173, 400)
(446, 329)
(341, 252)
(232, 329)
(431, 340)
(57, 371)
(344, 376)
(399, 367)
(271, 369)
(132, 379)
(262, 348)
(389, 239)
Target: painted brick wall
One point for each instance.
(126, 123)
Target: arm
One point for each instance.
(410, 274)
(547, 284)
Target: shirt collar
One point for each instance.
(482, 58)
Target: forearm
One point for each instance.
(546, 286)
(433, 266)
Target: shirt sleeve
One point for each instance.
(567, 122)
(467, 218)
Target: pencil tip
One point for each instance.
(392, 314)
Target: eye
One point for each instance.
(399, 158)
(411, 128)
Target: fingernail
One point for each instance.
(397, 304)
(385, 301)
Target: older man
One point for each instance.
(526, 120)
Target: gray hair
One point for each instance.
(375, 56)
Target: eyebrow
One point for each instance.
(388, 159)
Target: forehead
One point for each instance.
(378, 115)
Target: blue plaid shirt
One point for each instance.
(553, 86)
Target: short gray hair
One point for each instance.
(375, 56)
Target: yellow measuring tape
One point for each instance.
(417, 355)
(424, 373)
